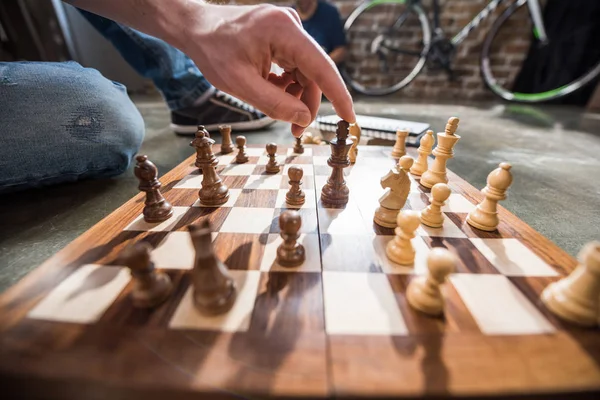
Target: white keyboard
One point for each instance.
(377, 127)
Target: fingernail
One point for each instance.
(303, 119)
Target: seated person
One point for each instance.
(62, 122)
(322, 21)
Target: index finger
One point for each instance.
(314, 64)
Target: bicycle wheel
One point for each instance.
(388, 45)
(505, 50)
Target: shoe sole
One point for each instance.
(235, 126)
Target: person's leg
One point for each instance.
(191, 98)
(173, 73)
(62, 122)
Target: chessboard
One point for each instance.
(338, 325)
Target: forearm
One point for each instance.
(338, 54)
(158, 18)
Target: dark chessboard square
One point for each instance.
(288, 303)
(348, 253)
(195, 215)
(309, 220)
(108, 253)
(181, 197)
(299, 160)
(460, 219)
(234, 182)
(416, 322)
(264, 198)
(470, 260)
(240, 251)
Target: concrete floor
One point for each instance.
(555, 153)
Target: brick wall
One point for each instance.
(432, 84)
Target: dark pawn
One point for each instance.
(299, 147)
(150, 287)
(290, 253)
(272, 166)
(335, 192)
(241, 156)
(214, 288)
(213, 192)
(192, 143)
(156, 208)
(295, 196)
(226, 145)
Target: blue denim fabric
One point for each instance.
(61, 122)
(173, 73)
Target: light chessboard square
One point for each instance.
(191, 181)
(361, 303)
(264, 182)
(255, 151)
(139, 224)
(226, 159)
(186, 316)
(320, 160)
(343, 221)
(84, 296)
(512, 258)
(248, 220)
(449, 229)
(238, 169)
(175, 251)
(419, 267)
(498, 307)
(457, 203)
(312, 262)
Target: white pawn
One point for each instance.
(423, 292)
(355, 134)
(485, 215)
(353, 153)
(433, 216)
(400, 249)
(576, 297)
(400, 146)
(425, 146)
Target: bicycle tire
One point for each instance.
(548, 95)
(426, 29)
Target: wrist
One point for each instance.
(177, 19)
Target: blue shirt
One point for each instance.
(325, 26)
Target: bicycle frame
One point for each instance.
(534, 9)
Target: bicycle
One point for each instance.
(410, 37)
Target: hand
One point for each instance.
(234, 46)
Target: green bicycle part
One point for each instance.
(376, 2)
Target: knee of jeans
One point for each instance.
(122, 138)
(110, 126)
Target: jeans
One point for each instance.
(173, 73)
(61, 122)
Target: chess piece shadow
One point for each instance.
(96, 279)
(276, 326)
(239, 259)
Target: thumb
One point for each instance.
(275, 102)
